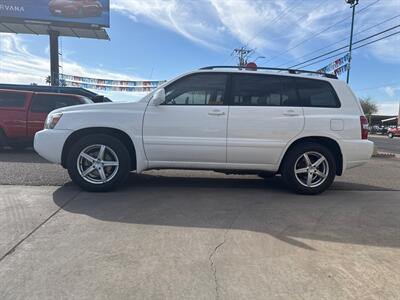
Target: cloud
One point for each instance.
(388, 108)
(193, 20)
(391, 90)
(270, 26)
(19, 65)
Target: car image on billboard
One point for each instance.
(76, 8)
(75, 13)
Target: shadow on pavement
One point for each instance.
(364, 218)
(25, 156)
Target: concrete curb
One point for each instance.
(385, 155)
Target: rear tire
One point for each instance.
(98, 163)
(309, 168)
(390, 135)
(3, 139)
(19, 146)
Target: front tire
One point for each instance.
(309, 168)
(98, 163)
(390, 135)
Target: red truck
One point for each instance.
(392, 132)
(23, 113)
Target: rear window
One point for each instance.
(45, 103)
(316, 93)
(8, 99)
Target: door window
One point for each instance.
(198, 89)
(8, 99)
(263, 90)
(45, 103)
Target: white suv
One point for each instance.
(306, 128)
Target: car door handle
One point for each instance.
(291, 113)
(216, 113)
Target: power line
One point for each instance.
(388, 84)
(344, 52)
(278, 17)
(318, 33)
(344, 39)
(344, 47)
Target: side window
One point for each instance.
(62, 101)
(45, 103)
(8, 99)
(198, 89)
(316, 93)
(42, 103)
(263, 90)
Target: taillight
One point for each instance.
(364, 127)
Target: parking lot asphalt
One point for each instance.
(197, 235)
(180, 240)
(385, 144)
(27, 168)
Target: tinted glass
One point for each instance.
(12, 99)
(263, 90)
(199, 89)
(316, 93)
(46, 103)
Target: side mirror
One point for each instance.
(158, 97)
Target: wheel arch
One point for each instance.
(328, 142)
(117, 133)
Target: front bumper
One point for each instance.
(49, 143)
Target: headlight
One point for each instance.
(52, 120)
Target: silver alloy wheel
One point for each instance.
(311, 169)
(97, 164)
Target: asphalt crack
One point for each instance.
(12, 250)
(214, 268)
(215, 251)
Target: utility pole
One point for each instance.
(353, 4)
(398, 117)
(242, 54)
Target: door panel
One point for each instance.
(190, 127)
(258, 135)
(263, 117)
(185, 133)
(13, 105)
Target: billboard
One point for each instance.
(77, 13)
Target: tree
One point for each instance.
(369, 107)
(48, 79)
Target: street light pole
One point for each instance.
(353, 4)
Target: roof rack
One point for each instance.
(290, 71)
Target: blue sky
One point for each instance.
(159, 39)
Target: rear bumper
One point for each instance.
(49, 143)
(356, 152)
